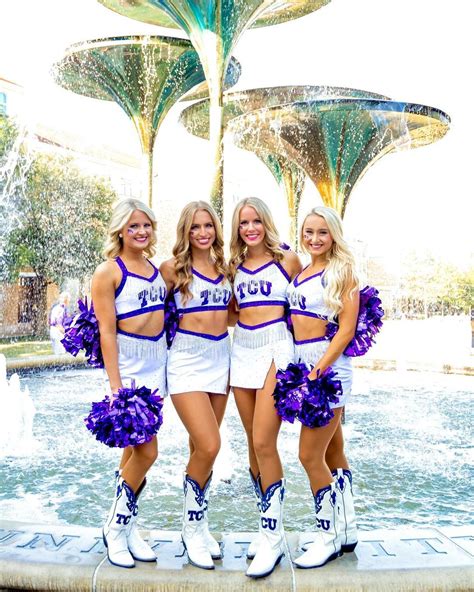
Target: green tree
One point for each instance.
(60, 220)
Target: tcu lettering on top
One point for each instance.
(151, 295)
(298, 300)
(253, 287)
(215, 296)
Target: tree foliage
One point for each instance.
(61, 217)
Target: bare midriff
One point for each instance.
(256, 315)
(210, 322)
(148, 324)
(307, 328)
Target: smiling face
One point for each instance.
(202, 233)
(316, 236)
(138, 231)
(251, 228)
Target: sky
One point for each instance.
(411, 50)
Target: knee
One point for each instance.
(264, 448)
(208, 451)
(309, 460)
(146, 455)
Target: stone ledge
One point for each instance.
(42, 557)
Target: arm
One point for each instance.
(291, 264)
(346, 331)
(103, 297)
(168, 273)
(233, 313)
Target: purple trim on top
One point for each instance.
(254, 271)
(313, 340)
(125, 271)
(263, 303)
(253, 327)
(147, 337)
(201, 308)
(121, 265)
(307, 313)
(204, 335)
(203, 277)
(140, 311)
(283, 270)
(295, 281)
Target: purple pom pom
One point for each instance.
(369, 323)
(133, 417)
(171, 319)
(83, 334)
(287, 393)
(297, 397)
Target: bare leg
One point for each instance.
(266, 425)
(313, 446)
(335, 457)
(197, 414)
(245, 401)
(219, 404)
(141, 459)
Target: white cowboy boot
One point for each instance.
(139, 549)
(114, 532)
(272, 545)
(327, 544)
(347, 518)
(211, 543)
(253, 547)
(194, 524)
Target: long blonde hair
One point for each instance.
(238, 248)
(121, 214)
(340, 277)
(182, 249)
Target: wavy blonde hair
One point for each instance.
(238, 248)
(340, 275)
(121, 214)
(182, 248)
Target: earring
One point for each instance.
(120, 235)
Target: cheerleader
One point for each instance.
(198, 362)
(326, 290)
(261, 271)
(128, 294)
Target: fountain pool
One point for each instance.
(408, 440)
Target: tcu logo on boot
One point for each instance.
(269, 523)
(195, 515)
(122, 519)
(324, 524)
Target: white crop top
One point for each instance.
(207, 294)
(265, 286)
(138, 295)
(306, 297)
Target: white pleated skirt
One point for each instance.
(310, 351)
(255, 348)
(198, 362)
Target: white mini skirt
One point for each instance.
(254, 348)
(311, 350)
(142, 360)
(198, 362)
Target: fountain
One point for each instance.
(214, 28)
(16, 418)
(335, 141)
(287, 173)
(144, 75)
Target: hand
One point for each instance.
(315, 372)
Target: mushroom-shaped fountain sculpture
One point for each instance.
(335, 141)
(214, 27)
(144, 75)
(288, 174)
